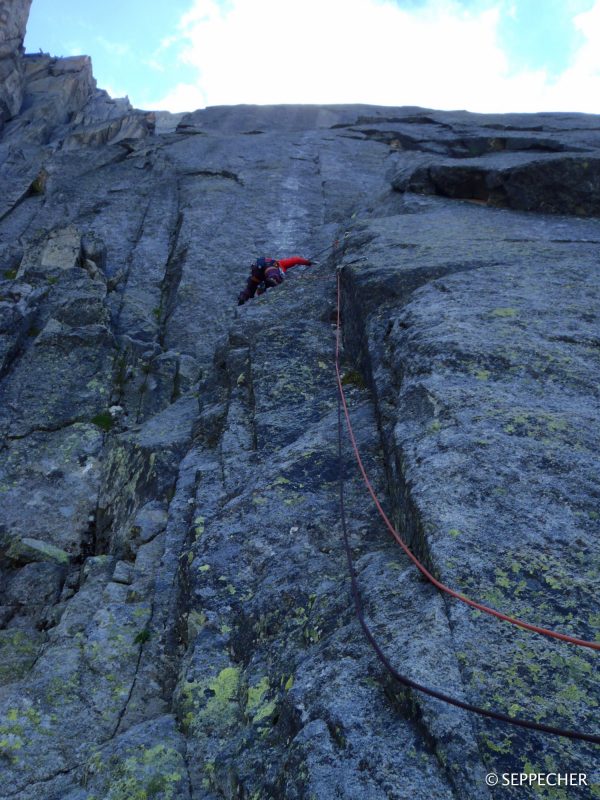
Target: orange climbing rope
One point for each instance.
(438, 584)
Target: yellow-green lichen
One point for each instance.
(211, 705)
(18, 651)
(504, 312)
(62, 690)
(37, 550)
(14, 727)
(549, 428)
(289, 683)
(195, 622)
(296, 500)
(258, 708)
(312, 634)
(146, 774)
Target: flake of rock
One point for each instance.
(150, 520)
(27, 550)
(63, 249)
(123, 573)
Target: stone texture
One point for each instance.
(175, 610)
(13, 23)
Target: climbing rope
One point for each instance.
(438, 584)
(324, 250)
(403, 679)
(497, 715)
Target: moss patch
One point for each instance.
(103, 420)
(353, 377)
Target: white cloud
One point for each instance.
(372, 51)
(578, 87)
(74, 49)
(115, 91)
(182, 97)
(155, 65)
(113, 48)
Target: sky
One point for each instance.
(479, 55)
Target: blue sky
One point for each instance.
(122, 37)
(483, 55)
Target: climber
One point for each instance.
(268, 272)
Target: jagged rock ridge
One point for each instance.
(175, 608)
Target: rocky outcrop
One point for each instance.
(13, 22)
(175, 610)
(62, 107)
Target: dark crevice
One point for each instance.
(139, 410)
(27, 195)
(13, 355)
(172, 276)
(569, 185)
(31, 322)
(407, 703)
(567, 241)
(396, 140)
(89, 539)
(142, 645)
(252, 403)
(176, 393)
(103, 524)
(188, 131)
(118, 159)
(409, 120)
(44, 781)
(49, 429)
(476, 146)
(355, 316)
(209, 173)
(137, 239)
(537, 128)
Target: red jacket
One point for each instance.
(268, 275)
(294, 261)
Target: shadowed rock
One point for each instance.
(13, 22)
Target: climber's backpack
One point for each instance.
(262, 263)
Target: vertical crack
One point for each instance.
(172, 276)
(138, 238)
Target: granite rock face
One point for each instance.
(175, 610)
(13, 23)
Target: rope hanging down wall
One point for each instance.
(403, 679)
(438, 584)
